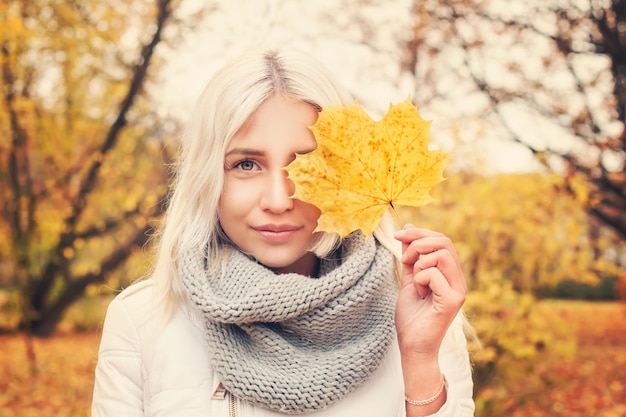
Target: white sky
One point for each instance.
(360, 45)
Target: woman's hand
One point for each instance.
(432, 292)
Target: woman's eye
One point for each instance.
(245, 165)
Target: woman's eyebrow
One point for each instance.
(245, 151)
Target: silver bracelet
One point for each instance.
(444, 384)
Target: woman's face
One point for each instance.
(256, 210)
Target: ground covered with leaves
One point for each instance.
(54, 377)
(590, 382)
(61, 382)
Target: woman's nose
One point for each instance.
(276, 197)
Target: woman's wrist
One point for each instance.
(420, 378)
(433, 398)
(425, 388)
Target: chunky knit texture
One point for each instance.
(292, 343)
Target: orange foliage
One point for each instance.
(63, 383)
(521, 228)
(591, 383)
(82, 153)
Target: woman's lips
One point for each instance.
(277, 233)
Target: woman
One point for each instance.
(249, 312)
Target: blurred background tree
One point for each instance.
(82, 170)
(551, 75)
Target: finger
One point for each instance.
(418, 241)
(432, 244)
(409, 252)
(407, 268)
(410, 233)
(433, 279)
(422, 286)
(447, 263)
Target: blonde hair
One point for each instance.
(228, 100)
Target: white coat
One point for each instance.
(152, 369)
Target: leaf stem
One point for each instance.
(398, 218)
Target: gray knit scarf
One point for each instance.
(291, 343)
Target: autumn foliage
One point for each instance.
(588, 380)
(81, 166)
(522, 229)
(83, 173)
(59, 383)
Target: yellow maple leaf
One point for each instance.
(361, 167)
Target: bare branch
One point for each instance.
(118, 125)
(57, 261)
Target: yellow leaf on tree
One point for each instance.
(361, 167)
